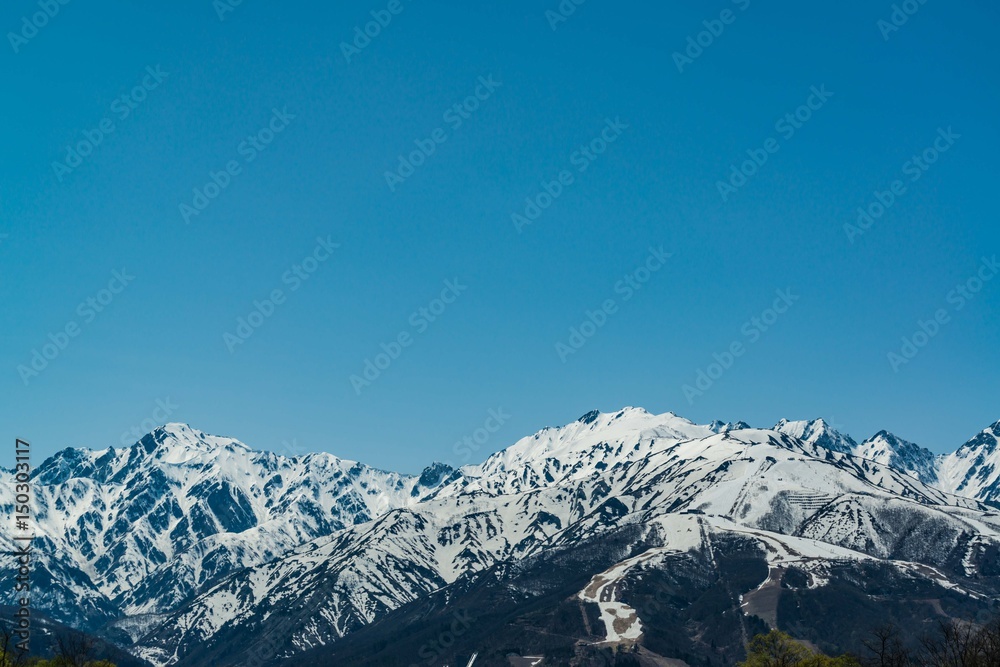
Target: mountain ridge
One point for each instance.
(182, 529)
(128, 526)
(566, 486)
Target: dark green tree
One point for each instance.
(776, 649)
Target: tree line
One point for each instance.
(68, 649)
(953, 644)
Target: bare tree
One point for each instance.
(990, 640)
(10, 655)
(963, 644)
(74, 649)
(887, 648)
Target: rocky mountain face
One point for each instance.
(817, 432)
(973, 470)
(799, 503)
(191, 549)
(892, 451)
(138, 530)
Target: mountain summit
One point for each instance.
(974, 469)
(817, 432)
(892, 451)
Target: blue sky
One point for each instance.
(302, 132)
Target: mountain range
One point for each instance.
(972, 470)
(622, 533)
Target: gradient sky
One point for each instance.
(162, 337)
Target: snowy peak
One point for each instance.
(178, 443)
(595, 427)
(434, 476)
(893, 451)
(147, 526)
(598, 426)
(598, 419)
(974, 470)
(985, 443)
(595, 442)
(171, 444)
(725, 427)
(817, 432)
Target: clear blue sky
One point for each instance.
(495, 346)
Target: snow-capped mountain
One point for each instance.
(720, 426)
(138, 530)
(571, 485)
(974, 469)
(193, 547)
(817, 432)
(900, 454)
(576, 451)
